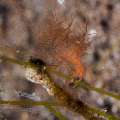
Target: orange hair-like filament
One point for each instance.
(72, 57)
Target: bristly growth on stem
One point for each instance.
(66, 41)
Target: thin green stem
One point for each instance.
(50, 69)
(84, 85)
(48, 105)
(15, 61)
(57, 113)
(27, 102)
(104, 114)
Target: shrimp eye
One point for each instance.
(37, 61)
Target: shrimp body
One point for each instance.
(40, 76)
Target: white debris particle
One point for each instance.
(92, 33)
(60, 1)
